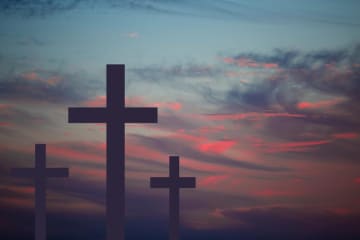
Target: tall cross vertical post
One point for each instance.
(174, 183)
(115, 115)
(40, 174)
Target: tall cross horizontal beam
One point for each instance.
(104, 115)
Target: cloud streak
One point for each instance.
(230, 10)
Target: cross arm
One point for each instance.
(87, 115)
(187, 182)
(22, 172)
(160, 182)
(57, 172)
(141, 115)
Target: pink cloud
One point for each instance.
(270, 65)
(252, 116)
(23, 200)
(174, 106)
(26, 190)
(228, 60)
(212, 180)
(98, 101)
(347, 135)
(247, 62)
(203, 144)
(300, 146)
(54, 80)
(320, 104)
(132, 34)
(95, 174)
(357, 180)
(17, 202)
(275, 193)
(341, 211)
(31, 76)
(67, 152)
(218, 147)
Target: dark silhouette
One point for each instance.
(115, 115)
(174, 183)
(40, 174)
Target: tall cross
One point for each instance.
(40, 174)
(115, 115)
(174, 183)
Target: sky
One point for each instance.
(258, 98)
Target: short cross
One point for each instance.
(115, 115)
(174, 183)
(40, 174)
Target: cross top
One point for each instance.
(115, 111)
(40, 172)
(173, 181)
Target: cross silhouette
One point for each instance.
(40, 174)
(174, 183)
(115, 115)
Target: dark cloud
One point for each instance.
(295, 59)
(164, 73)
(286, 223)
(329, 71)
(330, 74)
(47, 86)
(31, 8)
(12, 115)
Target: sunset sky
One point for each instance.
(260, 99)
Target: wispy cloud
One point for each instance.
(132, 35)
(232, 10)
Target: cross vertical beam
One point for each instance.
(115, 115)
(174, 183)
(40, 191)
(115, 151)
(40, 174)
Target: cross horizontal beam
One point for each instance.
(166, 182)
(103, 115)
(87, 115)
(141, 115)
(31, 172)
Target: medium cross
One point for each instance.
(174, 183)
(115, 115)
(40, 174)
